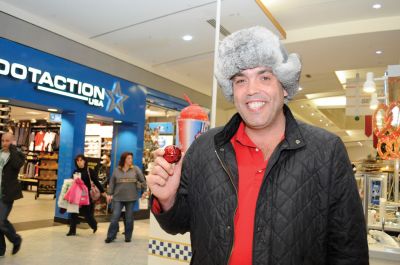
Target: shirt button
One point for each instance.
(259, 171)
(228, 227)
(258, 229)
(257, 149)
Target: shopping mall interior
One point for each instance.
(138, 66)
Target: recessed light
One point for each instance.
(32, 112)
(312, 114)
(379, 52)
(320, 120)
(4, 101)
(187, 37)
(302, 106)
(300, 88)
(53, 110)
(376, 6)
(326, 124)
(117, 121)
(90, 116)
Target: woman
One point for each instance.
(124, 185)
(87, 211)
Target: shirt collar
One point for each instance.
(242, 137)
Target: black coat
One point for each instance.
(308, 210)
(10, 186)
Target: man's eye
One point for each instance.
(239, 81)
(265, 78)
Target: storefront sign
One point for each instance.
(62, 85)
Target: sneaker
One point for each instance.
(70, 233)
(127, 240)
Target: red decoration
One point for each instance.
(172, 154)
(368, 125)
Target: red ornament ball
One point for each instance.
(172, 154)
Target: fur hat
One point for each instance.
(255, 47)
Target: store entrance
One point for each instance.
(98, 147)
(37, 135)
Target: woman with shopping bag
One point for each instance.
(89, 179)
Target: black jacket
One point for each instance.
(10, 186)
(308, 210)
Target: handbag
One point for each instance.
(94, 191)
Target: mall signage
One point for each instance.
(56, 84)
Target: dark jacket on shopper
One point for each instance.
(308, 209)
(10, 186)
(85, 178)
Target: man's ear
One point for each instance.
(285, 93)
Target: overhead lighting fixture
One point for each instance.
(52, 110)
(33, 120)
(302, 106)
(90, 116)
(338, 101)
(117, 121)
(187, 37)
(312, 114)
(369, 84)
(320, 120)
(4, 101)
(300, 88)
(32, 112)
(360, 144)
(376, 6)
(379, 52)
(326, 124)
(373, 104)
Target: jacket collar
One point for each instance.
(293, 137)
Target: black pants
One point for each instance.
(88, 212)
(6, 228)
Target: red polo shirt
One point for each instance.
(251, 169)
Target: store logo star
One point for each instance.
(116, 99)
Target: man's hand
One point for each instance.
(164, 179)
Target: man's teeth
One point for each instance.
(255, 105)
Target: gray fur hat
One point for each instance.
(255, 47)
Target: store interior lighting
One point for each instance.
(338, 101)
(52, 110)
(374, 101)
(369, 84)
(4, 101)
(117, 121)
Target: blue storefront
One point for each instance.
(34, 79)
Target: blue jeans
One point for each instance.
(116, 214)
(6, 228)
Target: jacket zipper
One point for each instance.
(237, 198)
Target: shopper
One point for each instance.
(266, 188)
(125, 183)
(11, 160)
(87, 175)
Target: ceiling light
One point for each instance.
(53, 110)
(326, 124)
(4, 101)
(117, 121)
(302, 106)
(369, 84)
(373, 104)
(320, 120)
(90, 116)
(187, 37)
(360, 143)
(32, 112)
(33, 120)
(312, 114)
(338, 101)
(376, 6)
(379, 52)
(300, 88)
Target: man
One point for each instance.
(265, 189)
(11, 160)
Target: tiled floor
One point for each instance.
(49, 245)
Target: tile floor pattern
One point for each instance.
(49, 245)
